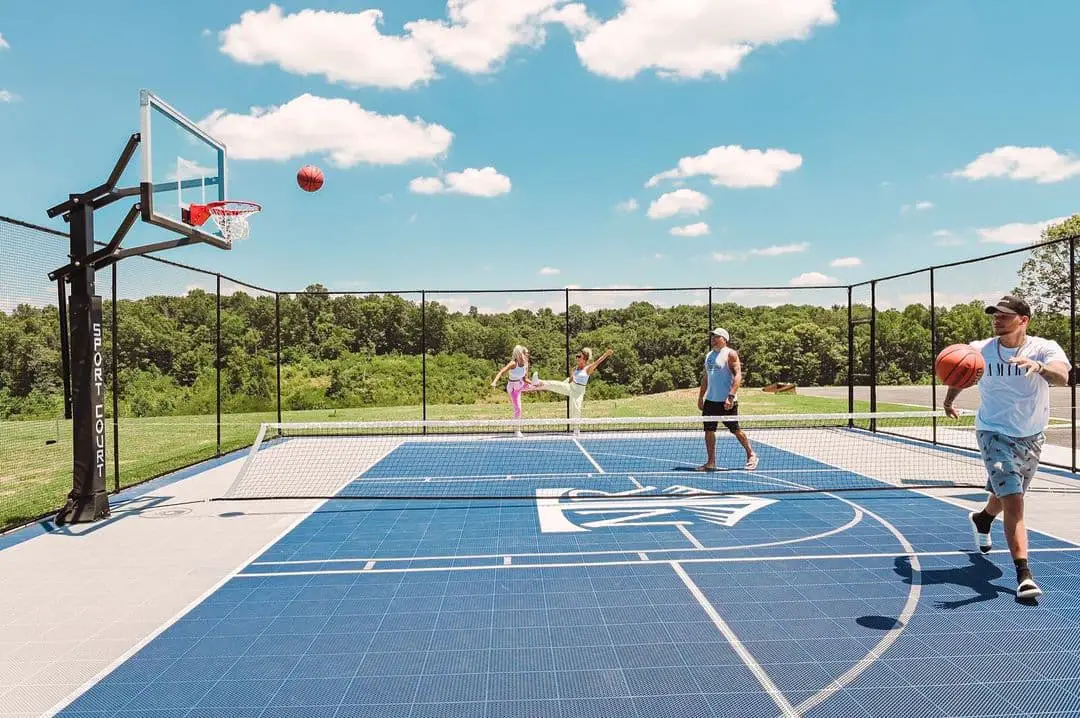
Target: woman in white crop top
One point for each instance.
(574, 386)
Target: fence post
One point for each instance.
(933, 359)
(850, 360)
(423, 356)
(115, 386)
(277, 348)
(1072, 345)
(710, 327)
(218, 364)
(566, 324)
(873, 352)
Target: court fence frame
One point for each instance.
(30, 234)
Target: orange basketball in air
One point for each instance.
(959, 366)
(310, 178)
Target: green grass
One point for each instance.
(35, 476)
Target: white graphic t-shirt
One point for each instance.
(1009, 402)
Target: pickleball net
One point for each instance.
(617, 456)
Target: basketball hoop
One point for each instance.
(230, 216)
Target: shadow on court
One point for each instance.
(976, 576)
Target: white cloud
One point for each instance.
(629, 205)
(4, 43)
(723, 257)
(341, 129)
(846, 262)
(658, 256)
(426, 185)
(698, 229)
(695, 39)
(1042, 164)
(946, 238)
(809, 279)
(8, 96)
(548, 271)
(777, 250)
(387, 197)
(341, 46)
(681, 201)
(1016, 232)
(918, 206)
(733, 166)
(481, 33)
(486, 182)
(348, 47)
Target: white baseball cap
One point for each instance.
(720, 333)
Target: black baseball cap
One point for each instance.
(1010, 304)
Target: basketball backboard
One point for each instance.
(181, 165)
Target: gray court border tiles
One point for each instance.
(669, 634)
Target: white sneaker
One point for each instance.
(751, 463)
(982, 540)
(518, 434)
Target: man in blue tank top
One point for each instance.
(719, 397)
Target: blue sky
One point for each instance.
(902, 134)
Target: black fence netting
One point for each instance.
(196, 362)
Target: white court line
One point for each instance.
(635, 482)
(638, 562)
(180, 614)
(643, 556)
(506, 561)
(786, 709)
(599, 468)
(369, 565)
(766, 544)
(689, 536)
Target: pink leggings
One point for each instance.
(514, 388)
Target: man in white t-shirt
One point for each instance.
(1014, 409)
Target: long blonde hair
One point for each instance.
(588, 354)
(519, 353)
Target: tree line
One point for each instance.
(357, 351)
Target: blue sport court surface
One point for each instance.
(595, 598)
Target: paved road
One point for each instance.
(1060, 402)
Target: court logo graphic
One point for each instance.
(568, 510)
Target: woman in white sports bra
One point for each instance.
(574, 386)
(518, 368)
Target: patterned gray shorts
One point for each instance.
(1010, 461)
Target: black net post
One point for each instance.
(277, 348)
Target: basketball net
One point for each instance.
(230, 217)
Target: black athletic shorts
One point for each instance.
(716, 408)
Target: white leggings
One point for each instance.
(576, 392)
